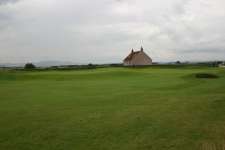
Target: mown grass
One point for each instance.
(112, 108)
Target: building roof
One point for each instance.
(131, 55)
(137, 58)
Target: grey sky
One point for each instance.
(104, 31)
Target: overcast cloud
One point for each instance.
(104, 31)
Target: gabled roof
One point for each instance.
(131, 55)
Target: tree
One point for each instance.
(29, 66)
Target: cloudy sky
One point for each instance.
(104, 31)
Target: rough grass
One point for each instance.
(112, 108)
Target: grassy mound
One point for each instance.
(206, 75)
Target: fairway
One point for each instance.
(155, 108)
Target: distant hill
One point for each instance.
(53, 63)
(39, 64)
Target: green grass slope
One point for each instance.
(112, 108)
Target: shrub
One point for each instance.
(29, 66)
(90, 66)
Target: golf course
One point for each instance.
(113, 108)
